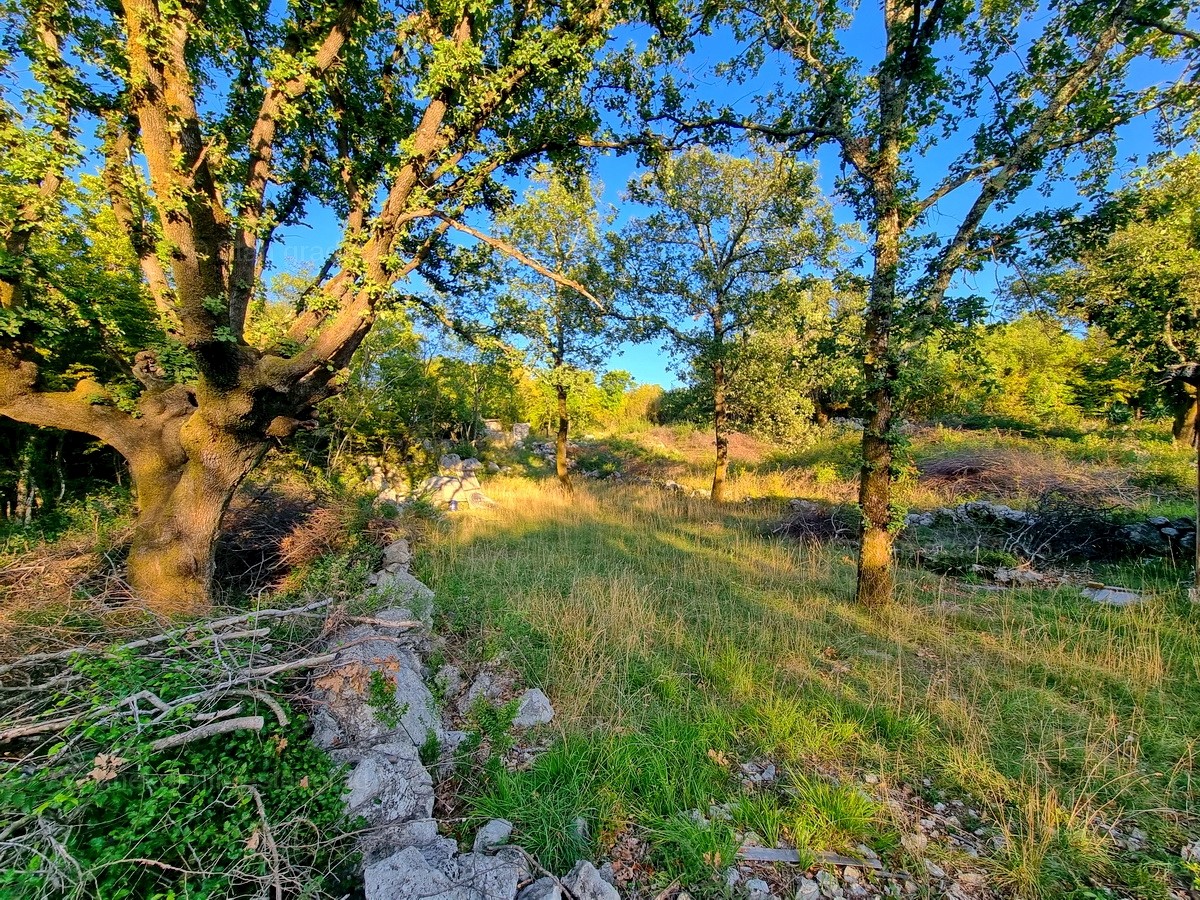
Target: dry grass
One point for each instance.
(628, 604)
(1011, 473)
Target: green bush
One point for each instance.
(101, 814)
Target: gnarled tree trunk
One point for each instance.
(182, 493)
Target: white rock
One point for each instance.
(397, 554)
(494, 834)
(444, 488)
(534, 709)
(542, 889)
(807, 889)
(585, 883)
(758, 889)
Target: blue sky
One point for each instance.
(651, 362)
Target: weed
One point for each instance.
(381, 697)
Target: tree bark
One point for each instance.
(560, 444)
(875, 579)
(1185, 405)
(720, 416)
(182, 494)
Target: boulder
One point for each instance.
(472, 877)
(450, 464)
(444, 488)
(388, 784)
(520, 431)
(585, 883)
(534, 709)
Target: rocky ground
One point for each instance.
(377, 713)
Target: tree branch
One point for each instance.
(258, 169)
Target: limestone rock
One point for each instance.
(542, 889)
(472, 877)
(418, 713)
(444, 488)
(484, 686)
(404, 588)
(534, 709)
(494, 834)
(584, 882)
(1018, 576)
(758, 889)
(388, 784)
(397, 554)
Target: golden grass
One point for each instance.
(1057, 713)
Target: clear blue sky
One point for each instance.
(650, 362)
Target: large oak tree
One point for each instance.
(212, 129)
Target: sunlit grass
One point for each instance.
(646, 614)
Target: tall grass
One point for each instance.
(670, 633)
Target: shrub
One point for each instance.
(102, 813)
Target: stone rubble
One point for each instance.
(390, 786)
(1157, 535)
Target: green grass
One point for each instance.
(677, 641)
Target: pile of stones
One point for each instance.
(457, 482)
(376, 713)
(1163, 536)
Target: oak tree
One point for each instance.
(215, 129)
(724, 238)
(963, 109)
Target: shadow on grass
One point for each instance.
(644, 615)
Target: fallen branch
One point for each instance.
(213, 626)
(249, 723)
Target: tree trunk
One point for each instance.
(1195, 592)
(1185, 404)
(720, 414)
(875, 579)
(560, 444)
(182, 494)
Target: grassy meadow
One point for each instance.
(679, 641)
